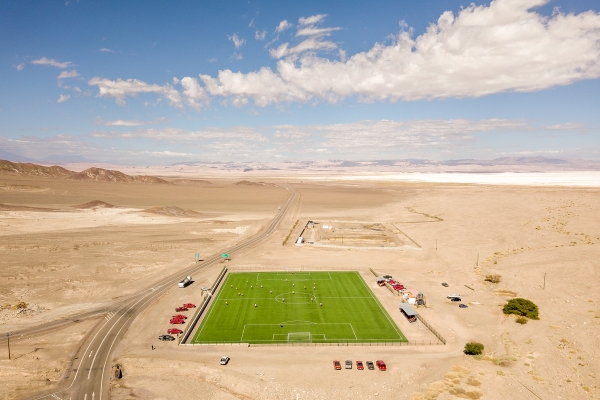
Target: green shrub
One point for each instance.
(521, 307)
(473, 348)
(521, 320)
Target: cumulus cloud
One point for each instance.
(260, 35)
(237, 41)
(63, 98)
(481, 50)
(120, 89)
(66, 74)
(19, 67)
(283, 25)
(52, 62)
(195, 95)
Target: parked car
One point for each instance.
(336, 365)
(180, 316)
(166, 337)
(348, 364)
(359, 365)
(381, 365)
(370, 365)
(189, 305)
(174, 331)
(178, 309)
(463, 305)
(224, 360)
(176, 321)
(444, 284)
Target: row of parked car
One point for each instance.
(176, 320)
(359, 365)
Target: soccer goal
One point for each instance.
(299, 337)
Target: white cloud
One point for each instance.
(237, 41)
(63, 98)
(106, 50)
(176, 134)
(482, 50)
(260, 35)
(194, 94)
(120, 89)
(314, 38)
(121, 122)
(283, 25)
(52, 62)
(312, 19)
(568, 126)
(68, 74)
(19, 67)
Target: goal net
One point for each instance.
(299, 337)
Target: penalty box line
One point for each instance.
(304, 323)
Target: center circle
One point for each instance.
(295, 298)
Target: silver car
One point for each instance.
(348, 364)
(224, 360)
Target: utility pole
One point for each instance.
(8, 343)
(477, 263)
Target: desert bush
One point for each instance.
(521, 307)
(521, 320)
(493, 278)
(473, 348)
(20, 305)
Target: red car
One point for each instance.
(176, 321)
(337, 365)
(189, 305)
(359, 365)
(180, 316)
(181, 309)
(381, 365)
(174, 331)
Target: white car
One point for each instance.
(224, 360)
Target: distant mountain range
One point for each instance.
(90, 174)
(505, 164)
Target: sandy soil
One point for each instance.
(465, 232)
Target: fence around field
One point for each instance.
(432, 329)
(424, 342)
(297, 269)
(202, 308)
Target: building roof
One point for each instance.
(381, 278)
(408, 310)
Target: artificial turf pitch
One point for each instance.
(288, 309)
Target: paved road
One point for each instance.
(88, 376)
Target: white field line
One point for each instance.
(400, 336)
(352, 327)
(205, 320)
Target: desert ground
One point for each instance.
(63, 252)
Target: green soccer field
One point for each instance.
(288, 309)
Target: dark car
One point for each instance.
(348, 364)
(463, 305)
(444, 284)
(166, 337)
(370, 365)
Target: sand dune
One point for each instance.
(95, 204)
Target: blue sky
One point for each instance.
(149, 82)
